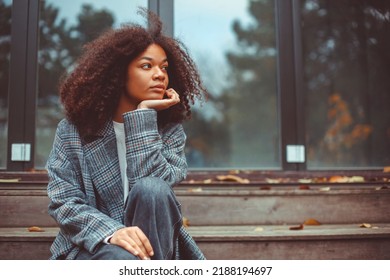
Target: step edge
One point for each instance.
(199, 233)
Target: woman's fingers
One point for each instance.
(161, 104)
(145, 242)
(173, 95)
(133, 240)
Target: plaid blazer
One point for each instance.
(85, 187)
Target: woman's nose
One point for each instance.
(158, 74)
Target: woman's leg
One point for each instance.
(106, 252)
(152, 206)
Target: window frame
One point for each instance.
(23, 80)
(24, 71)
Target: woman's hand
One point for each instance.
(133, 240)
(162, 104)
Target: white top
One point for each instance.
(121, 146)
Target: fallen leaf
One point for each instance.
(10, 180)
(381, 188)
(234, 172)
(207, 181)
(300, 227)
(35, 229)
(325, 189)
(232, 178)
(265, 188)
(365, 225)
(346, 179)
(186, 222)
(305, 181)
(195, 190)
(355, 179)
(273, 181)
(320, 180)
(386, 169)
(338, 179)
(312, 222)
(258, 229)
(304, 187)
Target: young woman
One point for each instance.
(120, 150)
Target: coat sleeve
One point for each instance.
(80, 221)
(151, 152)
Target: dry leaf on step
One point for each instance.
(195, 190)
(186, 222)
(265, 188)
(300, 227)
(305, 181)
(232, 178)
(35, 229)
(338, 179)
(356, 179)
(312, 222)
(273, 181)
(386, 169)
(258, 229)
(10, 180)
(365, 225)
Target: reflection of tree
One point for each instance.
(61, 45)
(241, 131)
(250, 102)
(5, 44)
(346, 56)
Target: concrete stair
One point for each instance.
(235, 221)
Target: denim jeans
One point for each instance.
(152, 206)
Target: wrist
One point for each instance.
(142, 106)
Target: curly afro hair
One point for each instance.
(90, 94)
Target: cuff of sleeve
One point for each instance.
(139, 121)
(107, 239)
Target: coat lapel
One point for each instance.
(102, 161)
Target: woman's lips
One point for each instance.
(159, 88)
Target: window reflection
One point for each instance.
(346, 61)
(5, 53)
(233, 44)
(65, 26)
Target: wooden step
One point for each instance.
(285, 205)
(26, 205)
(272, 242)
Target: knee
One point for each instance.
(151, 187)
(119, 253)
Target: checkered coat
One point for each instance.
(85, 186)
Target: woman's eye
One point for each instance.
(146, 66)
(165, 68)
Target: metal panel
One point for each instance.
(23, 80)
(287, 84)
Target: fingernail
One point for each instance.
(151, 253)
(136, 253)
(147, 259)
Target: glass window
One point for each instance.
(64, 27)
(5, 53)
(346, 61)
(233, 45)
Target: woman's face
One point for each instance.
(147, 76)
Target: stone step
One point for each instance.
(24, 205)
(272, 242)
